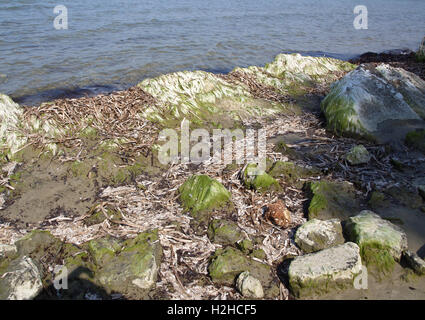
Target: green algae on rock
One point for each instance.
(320, 272)
(292, 173)
(224, 232)
(202, 193)
(228, 263)
(331, 200)
(316, 235)
(134, 268)
(254, 178)
(366, 100)
(380, 241)
(358, 155)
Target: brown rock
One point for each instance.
(279, 214)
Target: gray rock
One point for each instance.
(358, 155)
(7, 250)
(315, 235)
(369, 230)
(320, 272)
(380, 103)
(224, 232)
(249, 286)
(21, 281)
(414, 262)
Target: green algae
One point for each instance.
(255, 179)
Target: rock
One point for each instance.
(292, 173)
(279, 214)
(414, 262)
(7, 250)
(200, 193)
(331, 200)
(37, 244)
(358, 155)
(228, 263)
(21, 280)
(380, 241)
(416, 140)
(245, 246)
(378, 200)
(224, 232)
(408, 197)
(134, 268)
(253, 178)
(104, 249)
(316, 235)
(378, 103)
(10, 120)
(248, 286)
(259, 254)
(326, 270)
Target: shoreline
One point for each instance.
(92, 90)
(90, 177)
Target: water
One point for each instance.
(114, 44)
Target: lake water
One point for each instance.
(113, 44)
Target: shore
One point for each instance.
(86, 170)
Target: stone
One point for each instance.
(331, 200)
(134, 268)
(358, 155)
(249, 286)
(320, 272)
(21, 280)
(226, 264)
(7, 250)
(258, 180)
(246, 246)
(316, 235)
(420, 55)
(414, 262)
(379, 103)
(224, 232)
(200, 193)
(279, 214)
(379, 240)
(292, 173)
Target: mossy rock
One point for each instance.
(200, 194)
(259, 254)
(378, 200)
(246, 246)
(358, 155)
(406, 197)
(228, 263)
(331, 200)
(104, 249)
(292, 173)
(381, 242)
(416, 140)
(258, 180)
(224, 232)
(39, 245)
(133, 269)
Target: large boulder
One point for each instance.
(21, 280)
(320, 272)
(380, 103)
(316, 235)
(331, 200)
(380, 241)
